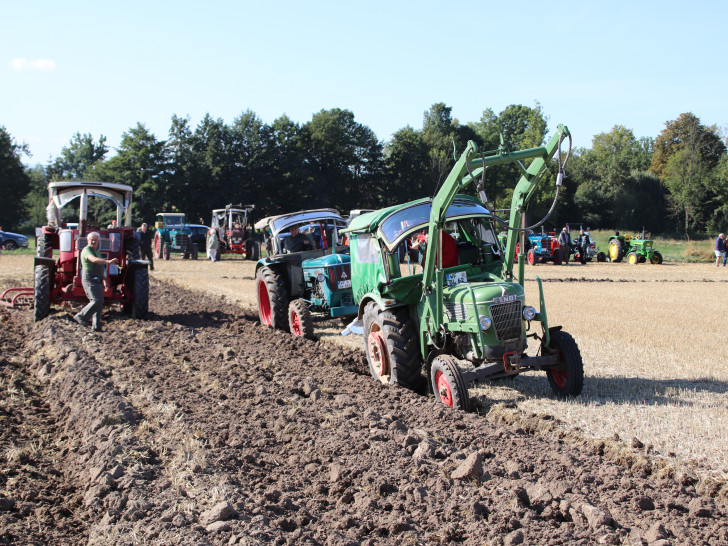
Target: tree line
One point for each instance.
(675, 183)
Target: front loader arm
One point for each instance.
(465, 171)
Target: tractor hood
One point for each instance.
(327, 261)
(483, 293)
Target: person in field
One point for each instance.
(719, 249)
(92, 279)
(564, 246)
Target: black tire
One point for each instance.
(273, 298)
(448, 384)
(195, 251)
(44, 247)
(616, 252)
(10, 245)
(140, 307)
(42, 293)
(601, 257)
(567, 378)
(300, 322)
(166, 251)
(392, 347)
(131, 247)
(254, 252)
(656, 258)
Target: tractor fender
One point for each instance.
(376, 298)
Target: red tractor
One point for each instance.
(58, 278)
(234, 232)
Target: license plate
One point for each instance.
(344, 284)
(451, 279)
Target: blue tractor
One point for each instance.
(173, 235)
(296, 283)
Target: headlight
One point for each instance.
(529, 312)
(485, 322)
(320, 277)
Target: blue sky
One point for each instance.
(101, 67)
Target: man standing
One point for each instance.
(94, 268)
(719, 249)
(583, 245)
(565, 246)
(213, 244)
(145, 244)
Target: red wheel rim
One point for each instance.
(264, 303)
(295, 324)
(559, 377)
(443, 389)
(378, 354)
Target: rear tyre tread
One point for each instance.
(299, 308)
(42, 293)
(278, 298)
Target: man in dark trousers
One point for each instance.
(93, 267)
(145, 244)
(582, 243)
(565, 246)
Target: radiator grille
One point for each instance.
(507, 320)
(181, 240)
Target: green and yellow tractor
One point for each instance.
(632, 248)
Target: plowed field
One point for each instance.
(198, 426)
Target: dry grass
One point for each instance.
(651, 338)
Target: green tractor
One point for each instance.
(632, 248)
(457, 314)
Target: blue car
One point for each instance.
(12, 241)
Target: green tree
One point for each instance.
(687, 132)
(36, 199)
(686, 156)
(346, 161)
(78, 157)
(408, 166)
(142, 163)
(15, 180)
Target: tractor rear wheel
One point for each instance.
(392, 347)
(448, 383)
(531, 257)
(567, 377)
(166, 251)
(656, 258)
(42, 293)
(44, 247)
(299, 319)
(632, 258)
(254, 252)
(616, 253)
(272, 298)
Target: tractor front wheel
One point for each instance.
(615, 250)
(567, 377)
(448, 383)
(392, 347)
(140, 306)
(601, 257)
(299, 319)
(531, 257)
(557, 258)
(272, 298)
(195, 251)
(166, 251)
(656, 258)
(42, 293)
(632, 258)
